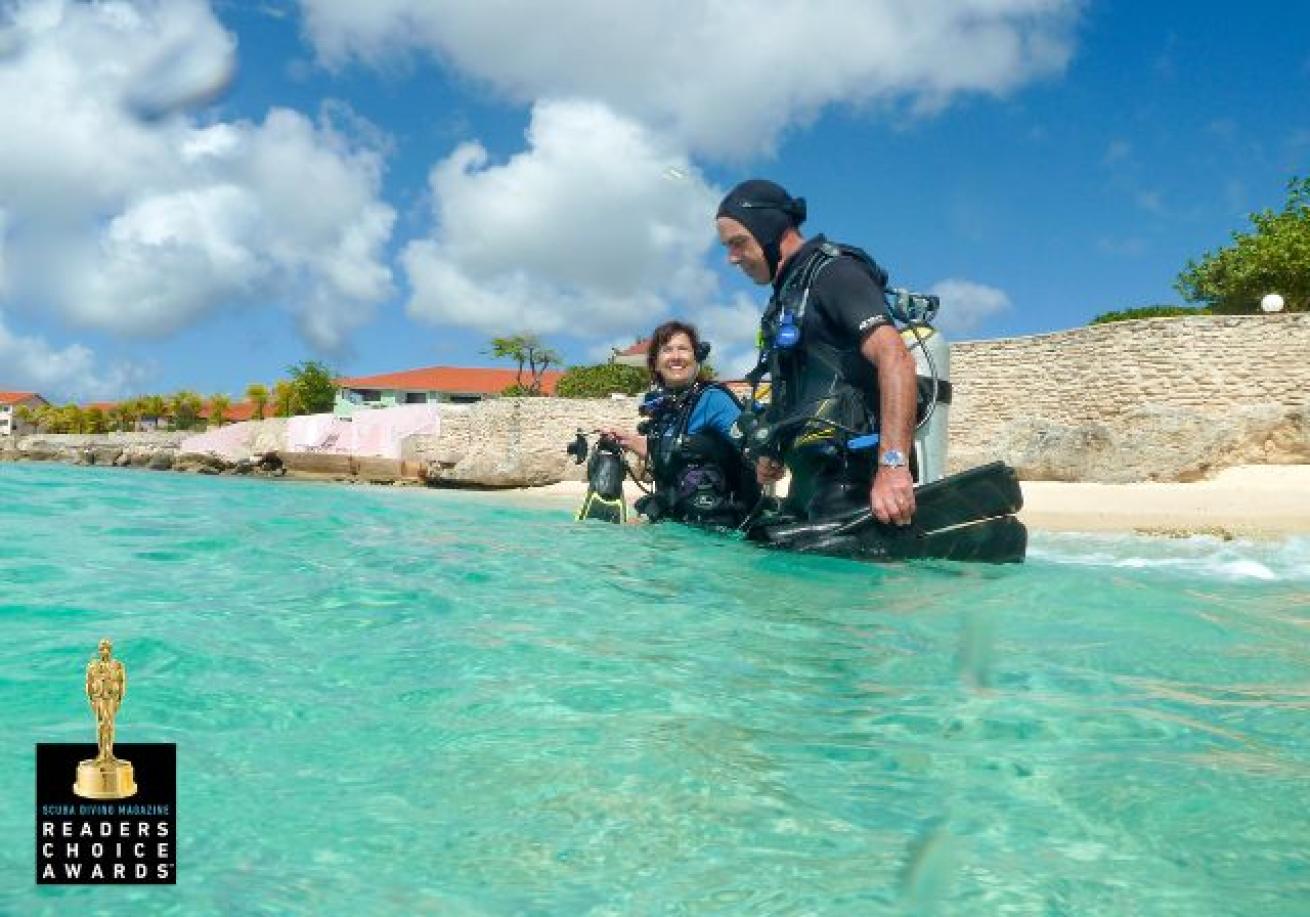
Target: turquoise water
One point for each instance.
(400, 701)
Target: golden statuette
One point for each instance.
(104, 776)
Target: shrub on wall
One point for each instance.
(1273, 257)
(1127, 315)
(601, 380)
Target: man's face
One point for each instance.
(105, 649)
(743, 250)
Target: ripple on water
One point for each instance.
(431, 702)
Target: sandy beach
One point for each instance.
(1248, 501)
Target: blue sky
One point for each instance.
(196, 195)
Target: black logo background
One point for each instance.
(155, 768)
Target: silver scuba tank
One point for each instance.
(932, 363)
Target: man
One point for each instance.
(838, 365)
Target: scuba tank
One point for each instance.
(932, 363)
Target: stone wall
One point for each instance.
(1158, 399)
(514, 441)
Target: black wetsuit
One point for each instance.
(700, 475)
(834, 296)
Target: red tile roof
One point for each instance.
(17, 397)
(242, 410)
(455, 379)
(637, 349)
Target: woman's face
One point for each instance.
(676, 364)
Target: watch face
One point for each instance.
(892, 458)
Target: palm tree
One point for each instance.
(154, 407)
(186, 406)
(219, 405)
(94, 421)
(130, 411)
(286, 401)
(257, 395)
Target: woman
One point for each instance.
(688, 439)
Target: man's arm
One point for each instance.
(891, 496)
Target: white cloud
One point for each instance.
(29, 363)
(1128, 247)
(1117, 151)
(725, 76)
(1150, 201)
(128, 215)
(597, 228)
(4, 225)
(966, 305)
(732, 330)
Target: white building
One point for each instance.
(10, 402)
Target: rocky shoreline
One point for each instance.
(515, 443)
(165, 455)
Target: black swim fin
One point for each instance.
(999, 540)
(966, 516)
(604, 499)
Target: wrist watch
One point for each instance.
(892, 458)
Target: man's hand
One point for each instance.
(769, 470)
(892, 495)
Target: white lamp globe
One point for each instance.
(1272, 303)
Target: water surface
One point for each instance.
(401, 701)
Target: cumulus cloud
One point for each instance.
(4, 225)
(29, 363)
(597, 228)
(725, 76)
(129, 215)
(731, 328)
(966, 305)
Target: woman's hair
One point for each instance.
(662, 335)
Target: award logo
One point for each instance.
(113, 823)
(104, 776)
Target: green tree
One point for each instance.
(286, 402)
(26, 415)
(154, 408)
(315, 389)
(42, 416)
(1274, 257)
(68, 418)
(122, 416)
(526, 350)
(186, 407)
(116, 418)
(219, 405)
(257, 395)
(599, 381)
(130, 412)
(95, 421)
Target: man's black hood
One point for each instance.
(767, 211)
